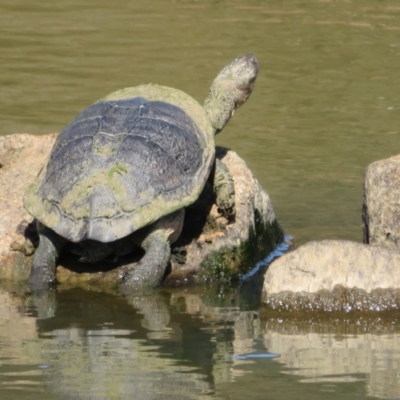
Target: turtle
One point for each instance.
(121, 174)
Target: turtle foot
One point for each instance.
(132, 283)
(42, 279)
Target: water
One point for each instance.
(77, 344)
(326, 104)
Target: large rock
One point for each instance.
(334, 275)
(381, 208)
(208, 248)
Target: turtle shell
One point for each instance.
(124, 162)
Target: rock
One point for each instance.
(209, 247)
(21, 157)
(324, 264)
(334, 275)
(381, 207)
(222, 249)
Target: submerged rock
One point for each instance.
(209, 248)
(381, 207)
(334, 275)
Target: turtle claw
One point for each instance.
(129, 284)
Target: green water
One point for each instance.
(326, 104)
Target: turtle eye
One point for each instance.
(252, 79)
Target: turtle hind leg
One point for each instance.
(149, 271)
(224, 190)
(43, 269)
(156, 241)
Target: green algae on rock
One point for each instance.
(233, 262)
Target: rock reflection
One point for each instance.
(339, 349)
(100, 346)
(76, 344)
(20, 361)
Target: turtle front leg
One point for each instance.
(156, 242)
(224, 190)
(43, 270)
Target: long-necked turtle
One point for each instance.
(125, 169)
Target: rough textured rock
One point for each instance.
(324, 264)
(209, 247)
(21, 157)
(381, 208)
(334, 275)
(229, 250)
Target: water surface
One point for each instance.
(79, 344)
(326, 104)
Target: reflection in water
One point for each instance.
(182, 345)
(112, 348)
(342, 350)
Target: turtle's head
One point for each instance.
(230, 90)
